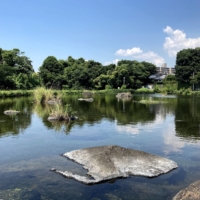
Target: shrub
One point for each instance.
(108, 87)
(144, 91)
(42, 95)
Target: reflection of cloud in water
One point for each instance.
(135, 129)
(129, 129)
(174, 143)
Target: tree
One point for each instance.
(51, 72)
(13, 66)
(188, 66)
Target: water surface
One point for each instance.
(30, 145)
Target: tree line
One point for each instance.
(82, 74)
(16, 72)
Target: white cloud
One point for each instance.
(128, 129)
(140, 127)
(151, 57)
(113, 62)
(128, 52)
(177, 41)
(137, 53)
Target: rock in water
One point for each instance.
(124, 95)
(11, 112)
(88, 100)
(109, 162)
(192, 192)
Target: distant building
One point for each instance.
(162, 72)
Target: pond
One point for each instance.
(30, 146)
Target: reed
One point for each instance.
(43, 95)
(62, 113)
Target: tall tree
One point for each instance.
(51, 72)
(188, 66)
(12, 64)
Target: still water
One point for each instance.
(30, 145)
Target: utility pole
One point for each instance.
(123, 80)
(193, 82)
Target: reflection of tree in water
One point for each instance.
(107, 106)
(44, 110)
(63, 126)
(187, 117)
(15, 124)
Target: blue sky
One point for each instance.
(100, 30)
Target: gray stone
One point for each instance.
(52, 118)
(11, 112)
(88, 99)
(192, 192)
(54, 101)
(109, 162)
(124, 95)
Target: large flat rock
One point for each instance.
(109, 162)
(192, 192)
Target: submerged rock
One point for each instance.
(52, 118)
(124, 95)
(11, 112)
(88, 99)
(54, 101)
(192, 192)
(61, 118)
(109, 162)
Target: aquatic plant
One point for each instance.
(43, 95)
(58, 112)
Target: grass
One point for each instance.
(61, 113)
(113, 91)
(43, 95)
(15, 93)
(144, 91)
(149, 101)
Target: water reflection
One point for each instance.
(187, 118)
(14, 124)
(170, 130)
(126, 113)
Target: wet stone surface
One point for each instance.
(192, 192)
(109, 162)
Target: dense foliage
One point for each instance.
(16, 70)
(81, 74)
(188, 67)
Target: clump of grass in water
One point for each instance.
(43, 95)
(58, 112)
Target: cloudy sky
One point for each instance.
(102, 30)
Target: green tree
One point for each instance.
(51, 72)
(188, 66)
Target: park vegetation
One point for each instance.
(75, 75)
